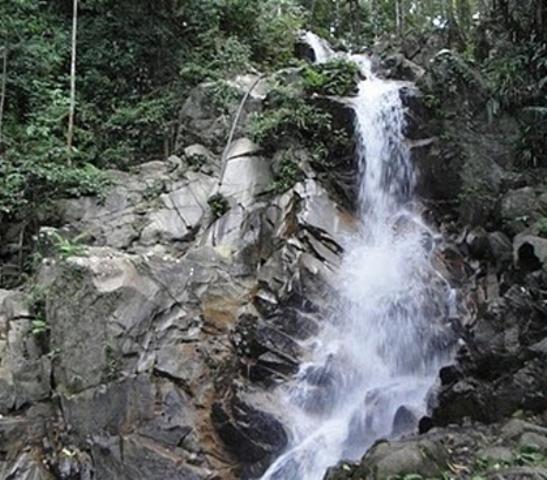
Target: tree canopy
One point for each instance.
(137, 59)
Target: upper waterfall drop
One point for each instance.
(321, 48)
(376, 359)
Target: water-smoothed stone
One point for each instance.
(517, 427)
(533, 441)
(405, 421)
(398, 67)
(246, 174)
(496, 454)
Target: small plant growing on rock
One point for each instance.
(68, 247)
(39, 326)
(224, 96)
(196, 160)
(542, 227)
(218, 204)
(285, 119)
(336, 77)
(287, 175)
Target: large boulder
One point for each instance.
(519, 209)
(252, 435)
(385, 460)
(246, 174)
(24, 371)
(397, 66)
(181, 211)
(207, 114)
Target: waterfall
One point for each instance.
(375, 361)
(320, 47)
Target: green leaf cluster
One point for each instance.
(336, 77)
(218, 204)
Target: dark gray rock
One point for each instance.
(519, 209)
(398, 67)
(110, 408)
(250, 434)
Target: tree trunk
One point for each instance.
(355, 24)
(374, 15)
(3, 87)
(72, 107)
(398, 26)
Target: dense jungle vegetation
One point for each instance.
(135, 61)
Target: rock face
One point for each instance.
(144, 344)
(147, 342)
(511, 450)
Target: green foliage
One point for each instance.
(224, 96)
(336, 77)
(542, 226)
(288, 173)
(288, 117)
(36, 301)
(218, 205)
(66, 247)
(39, 326)
(27, 183)
(288, 120)
(140, 127)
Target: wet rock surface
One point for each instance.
(144, 350)
(488, 410)
(509, 450)
(141, 347)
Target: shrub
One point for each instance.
(29, 182)
(336, 77)
(224, 96)
(288, 117)
(218, 204)
(288, 173)
(542, 227)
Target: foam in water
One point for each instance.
(375, 361)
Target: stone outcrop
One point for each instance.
(154, 321)
(156, 324)
(511, 450)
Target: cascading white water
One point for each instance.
(320, 47)
(375, 360)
